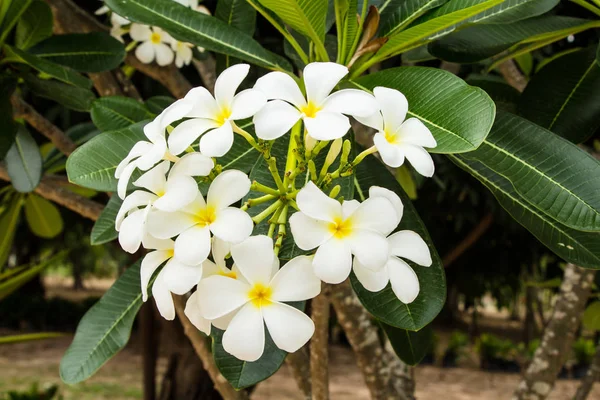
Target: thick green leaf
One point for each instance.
(79, 134)
(461, 115)
(580, 248)
(237, 13)
(73, 97)
(398, 14)
(563, 96)
(157, 104)
(84, 52)
(409, 346)
(8, 226)
(93, 165)
(43, 217)
(349, 28)
(117, 112)
(202, 30)
(549, 172)
(104, 228)
(478, 42)
(34, 26)
(24, 162)
(384, 305)
(505, 96)
(104, 329)
(9, 128)
(60, 72)
(591, 317)
(15, 10)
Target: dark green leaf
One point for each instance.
(242, 156)
(104, 228)
(398, 14)
(461, 115)
(73, 97)
(384, 305)
(13, 13)
(117, 112)
(505, 96)
(9, 131)
(8, 226)
(79, 134)
(237, 13)
(43, 217)
(157, 104)
(409, 346)
(34, 26)
(563, 96)
(24, 162)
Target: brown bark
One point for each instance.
(319, 348)
(299, 363)
(149, 349)
(593, 374)
(207, 69)
(540, 376)
(509, 70)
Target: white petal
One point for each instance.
(316, 204)
(174, 112)
(275, 119)
(124, 179)
(145, 52)
(352, 102)
(373, 281)
(165, 225)
(348, 207)
(134, 200)
(227, 188)
(320, 78)
(132, 230)
(181, 278)
(245, 335)
(390, 154)
(192, 164)
(289, 327)
(308, 232)
(192, 311)
(405, 283)
(327, 125)
(139, 33)
(196, 206)
(232, 225)
(413, 131)
(180, 191)
(153, 156)
(151, 243)
(220, 250)
(223, 322)
(164, 54)
(296, 281)
(393, 107)
(371, 249)
(374, 120)
(192, 246)
(220, 295)
(187, 132)
(254, 258)
(378, 191)
(154, 180)
(279, 85)
(408, 244)
(218, 142)
(333, 261)
(376, 214)
(420, 159)
(150, 263)
(247, 103)
(136, 151)
(205, 105)
(228, 82)
(163, 298)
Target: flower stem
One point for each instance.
(363, 154)
(246, 136)
(275, 173)
(282, 229)
(290, 163)
(259, 187)
(258, 218)
(259, 200)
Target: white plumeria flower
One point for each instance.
(258, 300)
(155, 44)
(175, 277)
(117, 32)
(321, 111)
(342, 230)
(396, 138)
(145, 154)
(212, 117)
(195, 222)
(183, 53)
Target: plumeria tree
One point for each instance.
(254, 201)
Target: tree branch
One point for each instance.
(300, 365)
(508, 69)
(469, 240)
(319, 346)
(593, 374)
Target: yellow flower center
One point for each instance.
(229, 274)
(171, 252)
(341, 228)
(206, 216)
(260, 295)
(223, 116)
(155, 38)
(310, 110)
(391, 137)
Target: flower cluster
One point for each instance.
(203, 238)
(151, 42)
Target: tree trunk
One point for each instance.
(591, 377)
(539, 378)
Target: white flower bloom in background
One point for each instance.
(155, 44)
(396, 138)
(258, 300)
(212, 117)
(321, 112)
(183, 53)
(195, 222)
(339, 231)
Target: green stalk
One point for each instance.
(258, 218)
(588, 6)
(259, 187)
(282, 230)
(272, 162)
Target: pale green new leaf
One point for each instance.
(43, 217)
(34, 26)
(398, 14)
(591, 316)
(24, 162)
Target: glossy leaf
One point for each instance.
(24, 162)
(505, 96)
(73, 97)
(79, 134)
(93, 165)
(104, 228)
(9, 127)
(15, 10)
(349, 28)
(411, 347)
(34, 26)
(104, 330)
(398, 14)
(84, 52)
(563, 96)
(200, 29)
(549, 172)
(117, 112)
(237, 13)
(8, 226)
(43, 217)
(461, 115)
(580, 248)
(384, 305)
